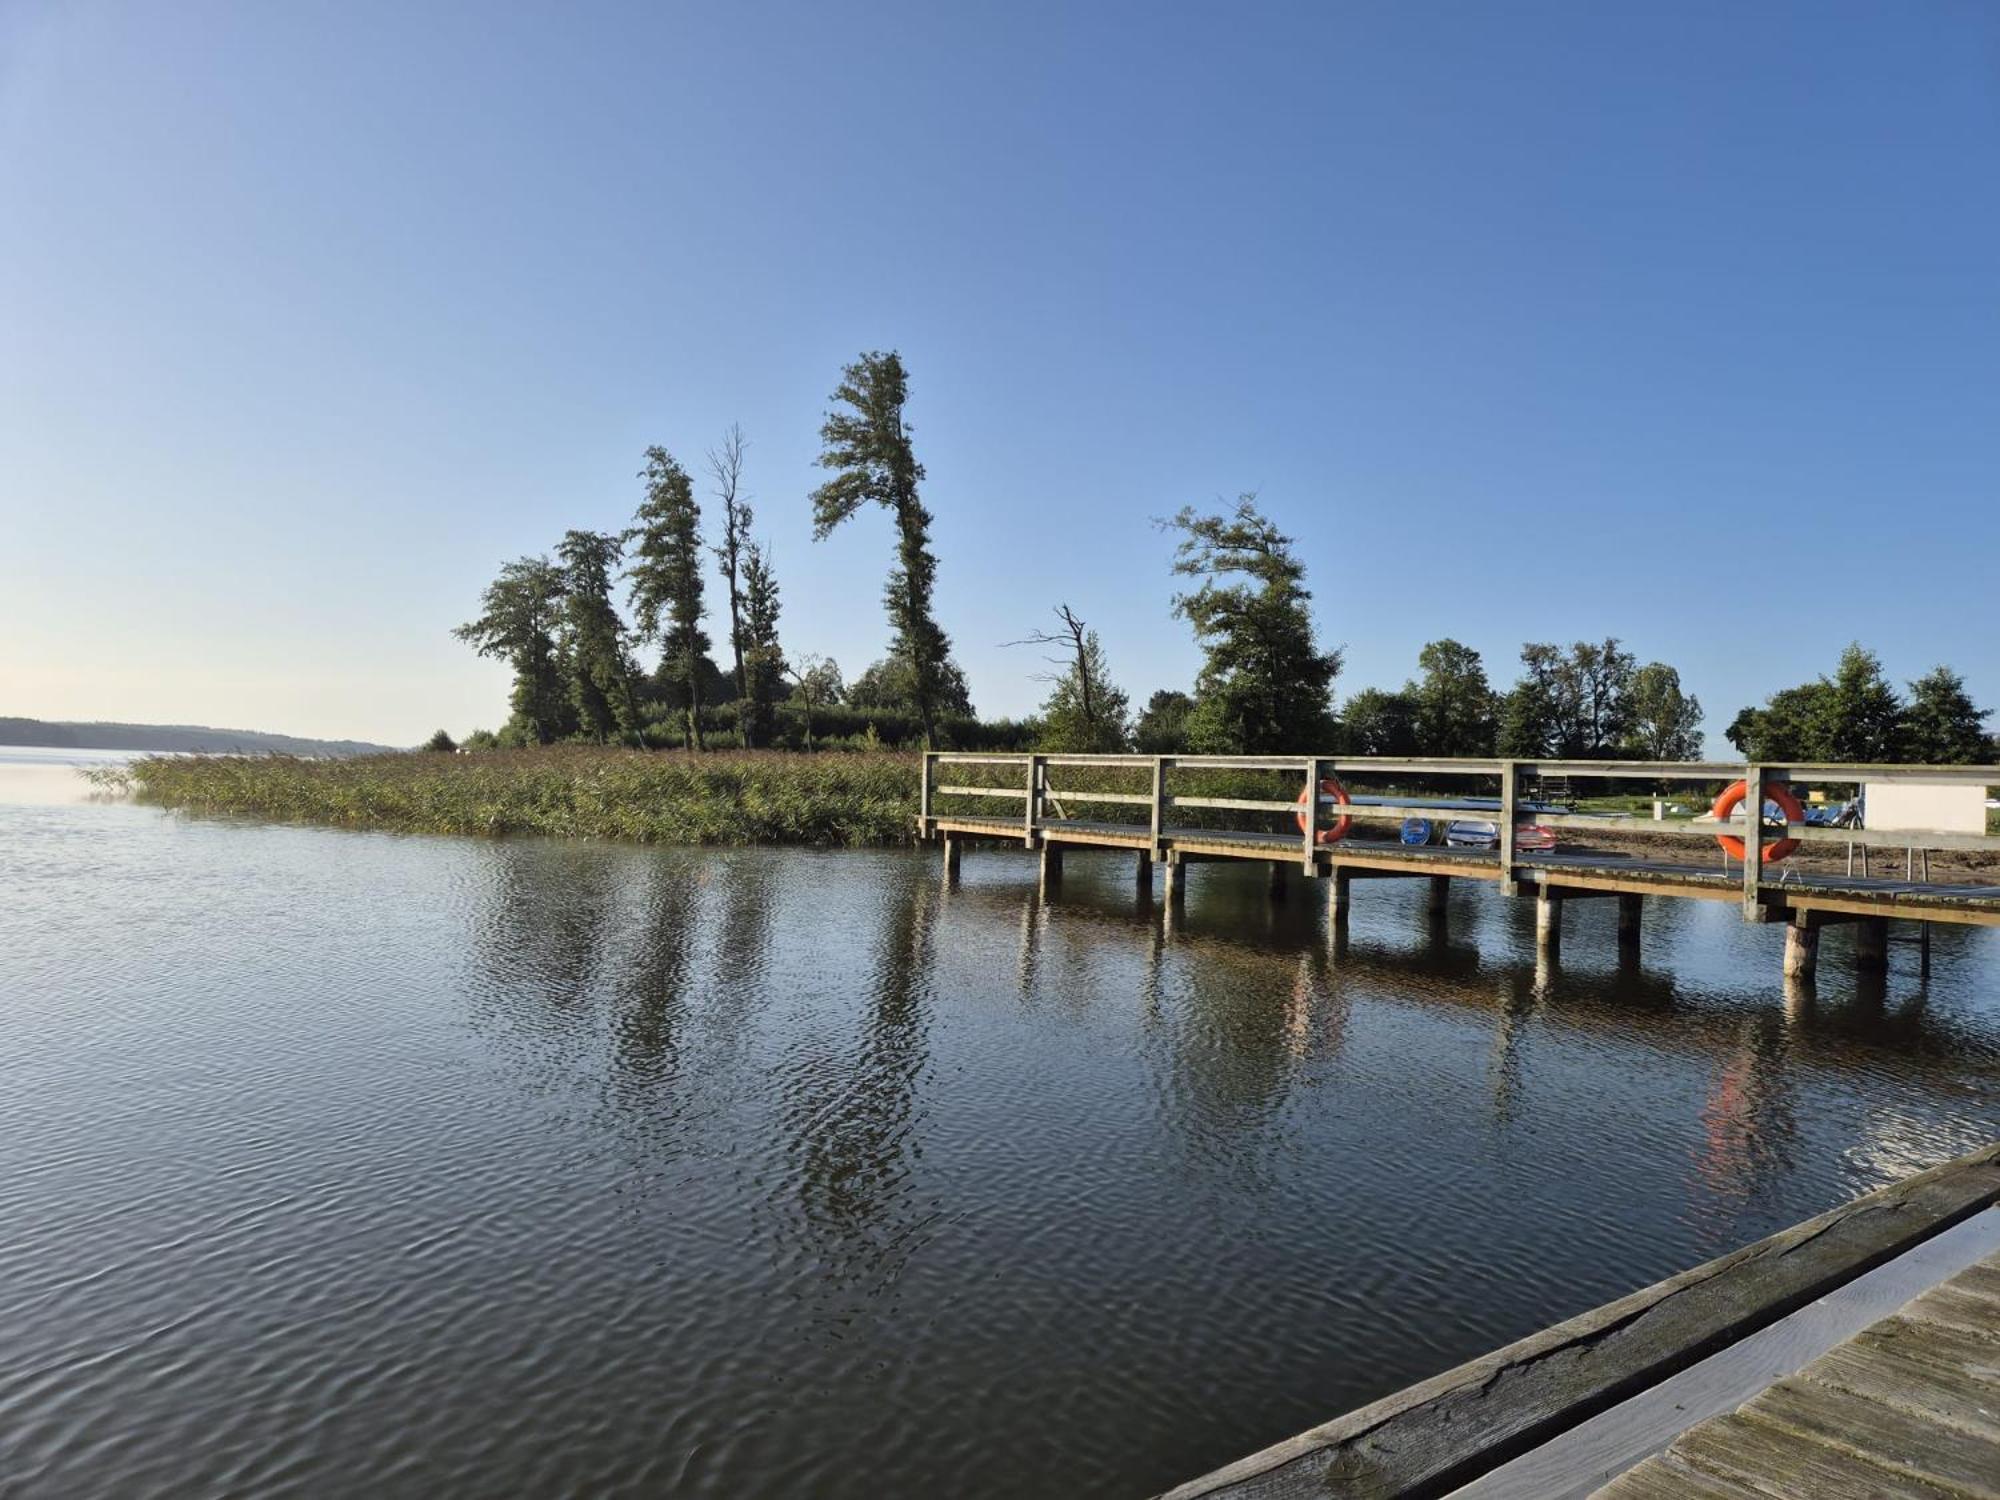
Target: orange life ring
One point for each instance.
(1329, 791)
(1734, 793)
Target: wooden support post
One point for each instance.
(1052, 857)
(1510, 777)
(1871, 943)
(952, 846)
(1145, 872)
(1753, 841)
(924, 797)
(1630, 906)
(1310, 854)
(1924, 949)
(1802, 948)
(1038, 776)
(1176, 879)
(1158, 820)
(1277, 881)
(1343, 890)
(1548, 923)
(1440, 894)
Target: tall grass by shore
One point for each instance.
(571, 791)
(845, 800)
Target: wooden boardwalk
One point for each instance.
(1908, 1408)
(964, 797)
(1748, 1378)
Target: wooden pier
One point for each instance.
(1166, 816)
(1857, 1354)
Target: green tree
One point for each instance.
(816, 683)
(1786, 728)
(866, 444)
(520, 613)
(1572, 705)
(763, 658)
(1942, 725)
(1383, 723)
(1265, 686)
(1085, 712)
(892, 683)
(666, 579)
(725, 465)
(1453, 704)
(1527, 719)
(1860, 718)
(597, 662)
(1162, 726)
(441, 743)
(1666, 723)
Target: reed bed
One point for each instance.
(840, 800)
(570, 791)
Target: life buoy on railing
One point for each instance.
(1775, 794)
(1329, 791)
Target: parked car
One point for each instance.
(1477, 833)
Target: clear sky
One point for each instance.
(1530, 321)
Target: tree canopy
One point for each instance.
(1264, 685)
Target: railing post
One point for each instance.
(1753, 841)
(1509, 780)
(1158, 822)
(1312, 816)
(1037, 785)
(924, 796)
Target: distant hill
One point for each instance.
(194, 737)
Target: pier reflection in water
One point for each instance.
(427, 1166)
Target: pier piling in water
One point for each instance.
(1802, 948)
(1630, 909)
(1871, 944)
(1440, 897)
(1548, 922)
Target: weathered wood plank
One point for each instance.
(1959, 1308)
(1667, 1478)
(1912, 1444)
(1912, 1385)
(1783, 1464)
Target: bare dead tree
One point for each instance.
(1074, 660)
(725, 466)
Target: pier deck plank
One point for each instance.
(1910, 1407)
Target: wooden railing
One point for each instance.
(1035, 793)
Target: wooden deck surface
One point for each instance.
(1910, 1408)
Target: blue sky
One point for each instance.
(1535, 321)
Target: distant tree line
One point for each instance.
(1265, 686)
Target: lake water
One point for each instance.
(357, 1164)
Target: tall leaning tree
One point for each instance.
(866, 443)
(725, 467)
(666, 577)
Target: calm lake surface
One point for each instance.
(356, 1164)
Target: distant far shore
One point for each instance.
(186, 739)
